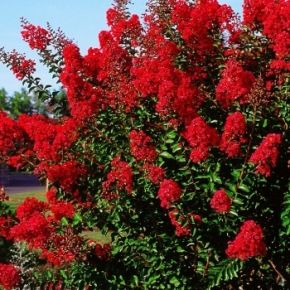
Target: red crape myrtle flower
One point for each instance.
(235, 84)
(194, 23)
(57, 258)
(64, 247)
(121, 176)
(233, 135)
(272, 17)
(51, 195)
(154, 173)
(5, 225)
(35, 230)
(168, 192)
(248, 243)
(62, 209)
(253, 11)
(266, 155)
(67, 174)
(54, 285)
(180, 230)
(201, 138)
(20, 160)
(50, 138)
(221, 202)
(20, 65)
(30, 206)
(11, 135)
(141, 146)
(196, 217)
(103, 252)
(36, 36)
(9, 276)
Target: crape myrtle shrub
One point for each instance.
(172, 138)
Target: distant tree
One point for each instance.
(3, 100)
(21, 103)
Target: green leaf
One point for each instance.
(285, 214)
(153, 278)
(171, 135)
(77, 219)
(236, 173)
(135, 280)
(234, 213)
(180, 159)
(225, 270)
(169, 141)
(238, 201)
(63, 274)
(166, 155)
(64, 222)
(180, 250)
(175, 148)
(174, 281)
(244, 188)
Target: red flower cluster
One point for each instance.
(54, 285)
(99, 79)
(49, 138)
(38, 224)
(36, 36)
(12, 136)
(62, 209)
(196, 217)
(121, 176)
(57, 258)
(35, 230)
(266, 155)
(141, 146)
(178, 95)
(30, 206)
(51, 195)
(201, 138)
(123, 26)
(196, 23)
(66, 134)
(82, 97)
(155, 74)
(180, 230)
(64, 248)
(276, 27)
(5, 225)
(248, 243)
(233, 136)
(272, 17)
(103, 252)
(221, 202)
(235, 84)
(254, 11)
(154, 173)
(9, 276)
(20, 65)
(169, 192)
(20, 160)
(67, 175)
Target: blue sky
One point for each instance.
(80, 20)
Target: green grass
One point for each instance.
(97, 236)
(16, 199)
